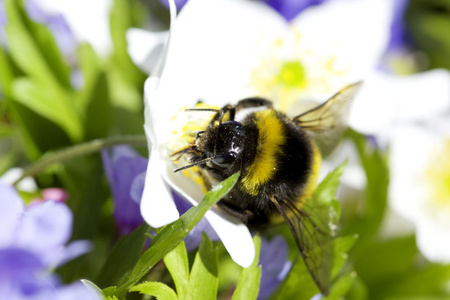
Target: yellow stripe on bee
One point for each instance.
(309, 188)
(271, 138)
(310, 185)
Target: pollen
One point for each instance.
(296, 66)
(184, 128)
(438, 175)
(186, 124)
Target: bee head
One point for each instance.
(223, 144)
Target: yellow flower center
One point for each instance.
(186, 124)
(438, 175)
(292, 74)
(297, 66)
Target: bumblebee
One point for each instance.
(278, 158)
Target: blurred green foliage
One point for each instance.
(428, 23)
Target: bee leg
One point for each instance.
(219, 115)
(242, 214)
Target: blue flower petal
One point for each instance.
(289, 9)
(76, 291)
(274, 263)
(71, 251)
(11, 208)
(45, 227)
(399, 36)
(194, 237)
(124, 171)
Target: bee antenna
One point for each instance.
(201, 162)
(202, 109)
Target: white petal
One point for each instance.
(356, 31)
(411, 147)
(212, 50)
(157, 205)
(433, 240)
(27, 184)
(235, 237)
(150, 109)
(88, 19)
(145, 48)
(387, 98)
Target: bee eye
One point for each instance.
(224, 160)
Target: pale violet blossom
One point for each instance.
(420, 183)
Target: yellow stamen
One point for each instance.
(438, 175)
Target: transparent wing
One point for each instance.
(327, 122)
(313, 229)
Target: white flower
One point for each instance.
(225, 50)
(157, 204)
(219, 50)
(420, 184)
(249, 50)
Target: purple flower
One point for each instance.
(3, 17)
(178, 3)
(194, 238)
(289, 9)
(125, 170)
(31, 244)
(274, 263)
(399, 37)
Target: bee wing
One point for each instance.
(313, 229)
(327, 122)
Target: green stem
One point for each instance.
(80, 149)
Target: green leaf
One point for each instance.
(83, 178)
(341, 246)
(28, 54)
(37, 134)
(126, 80)
(326, 190)
(368, 219)
(6, 74)
(428, 23)
(341, 287)
(92, 287)
(121, 20)
(204, 281)
(430, 281)
(248, 285)
(123, 257)
(399, 254)
(171, 235)
(94, 101)
(98, 112)
(91, 68)
(298, 284)
(157, 289)
(52, 103)
(178, 265)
